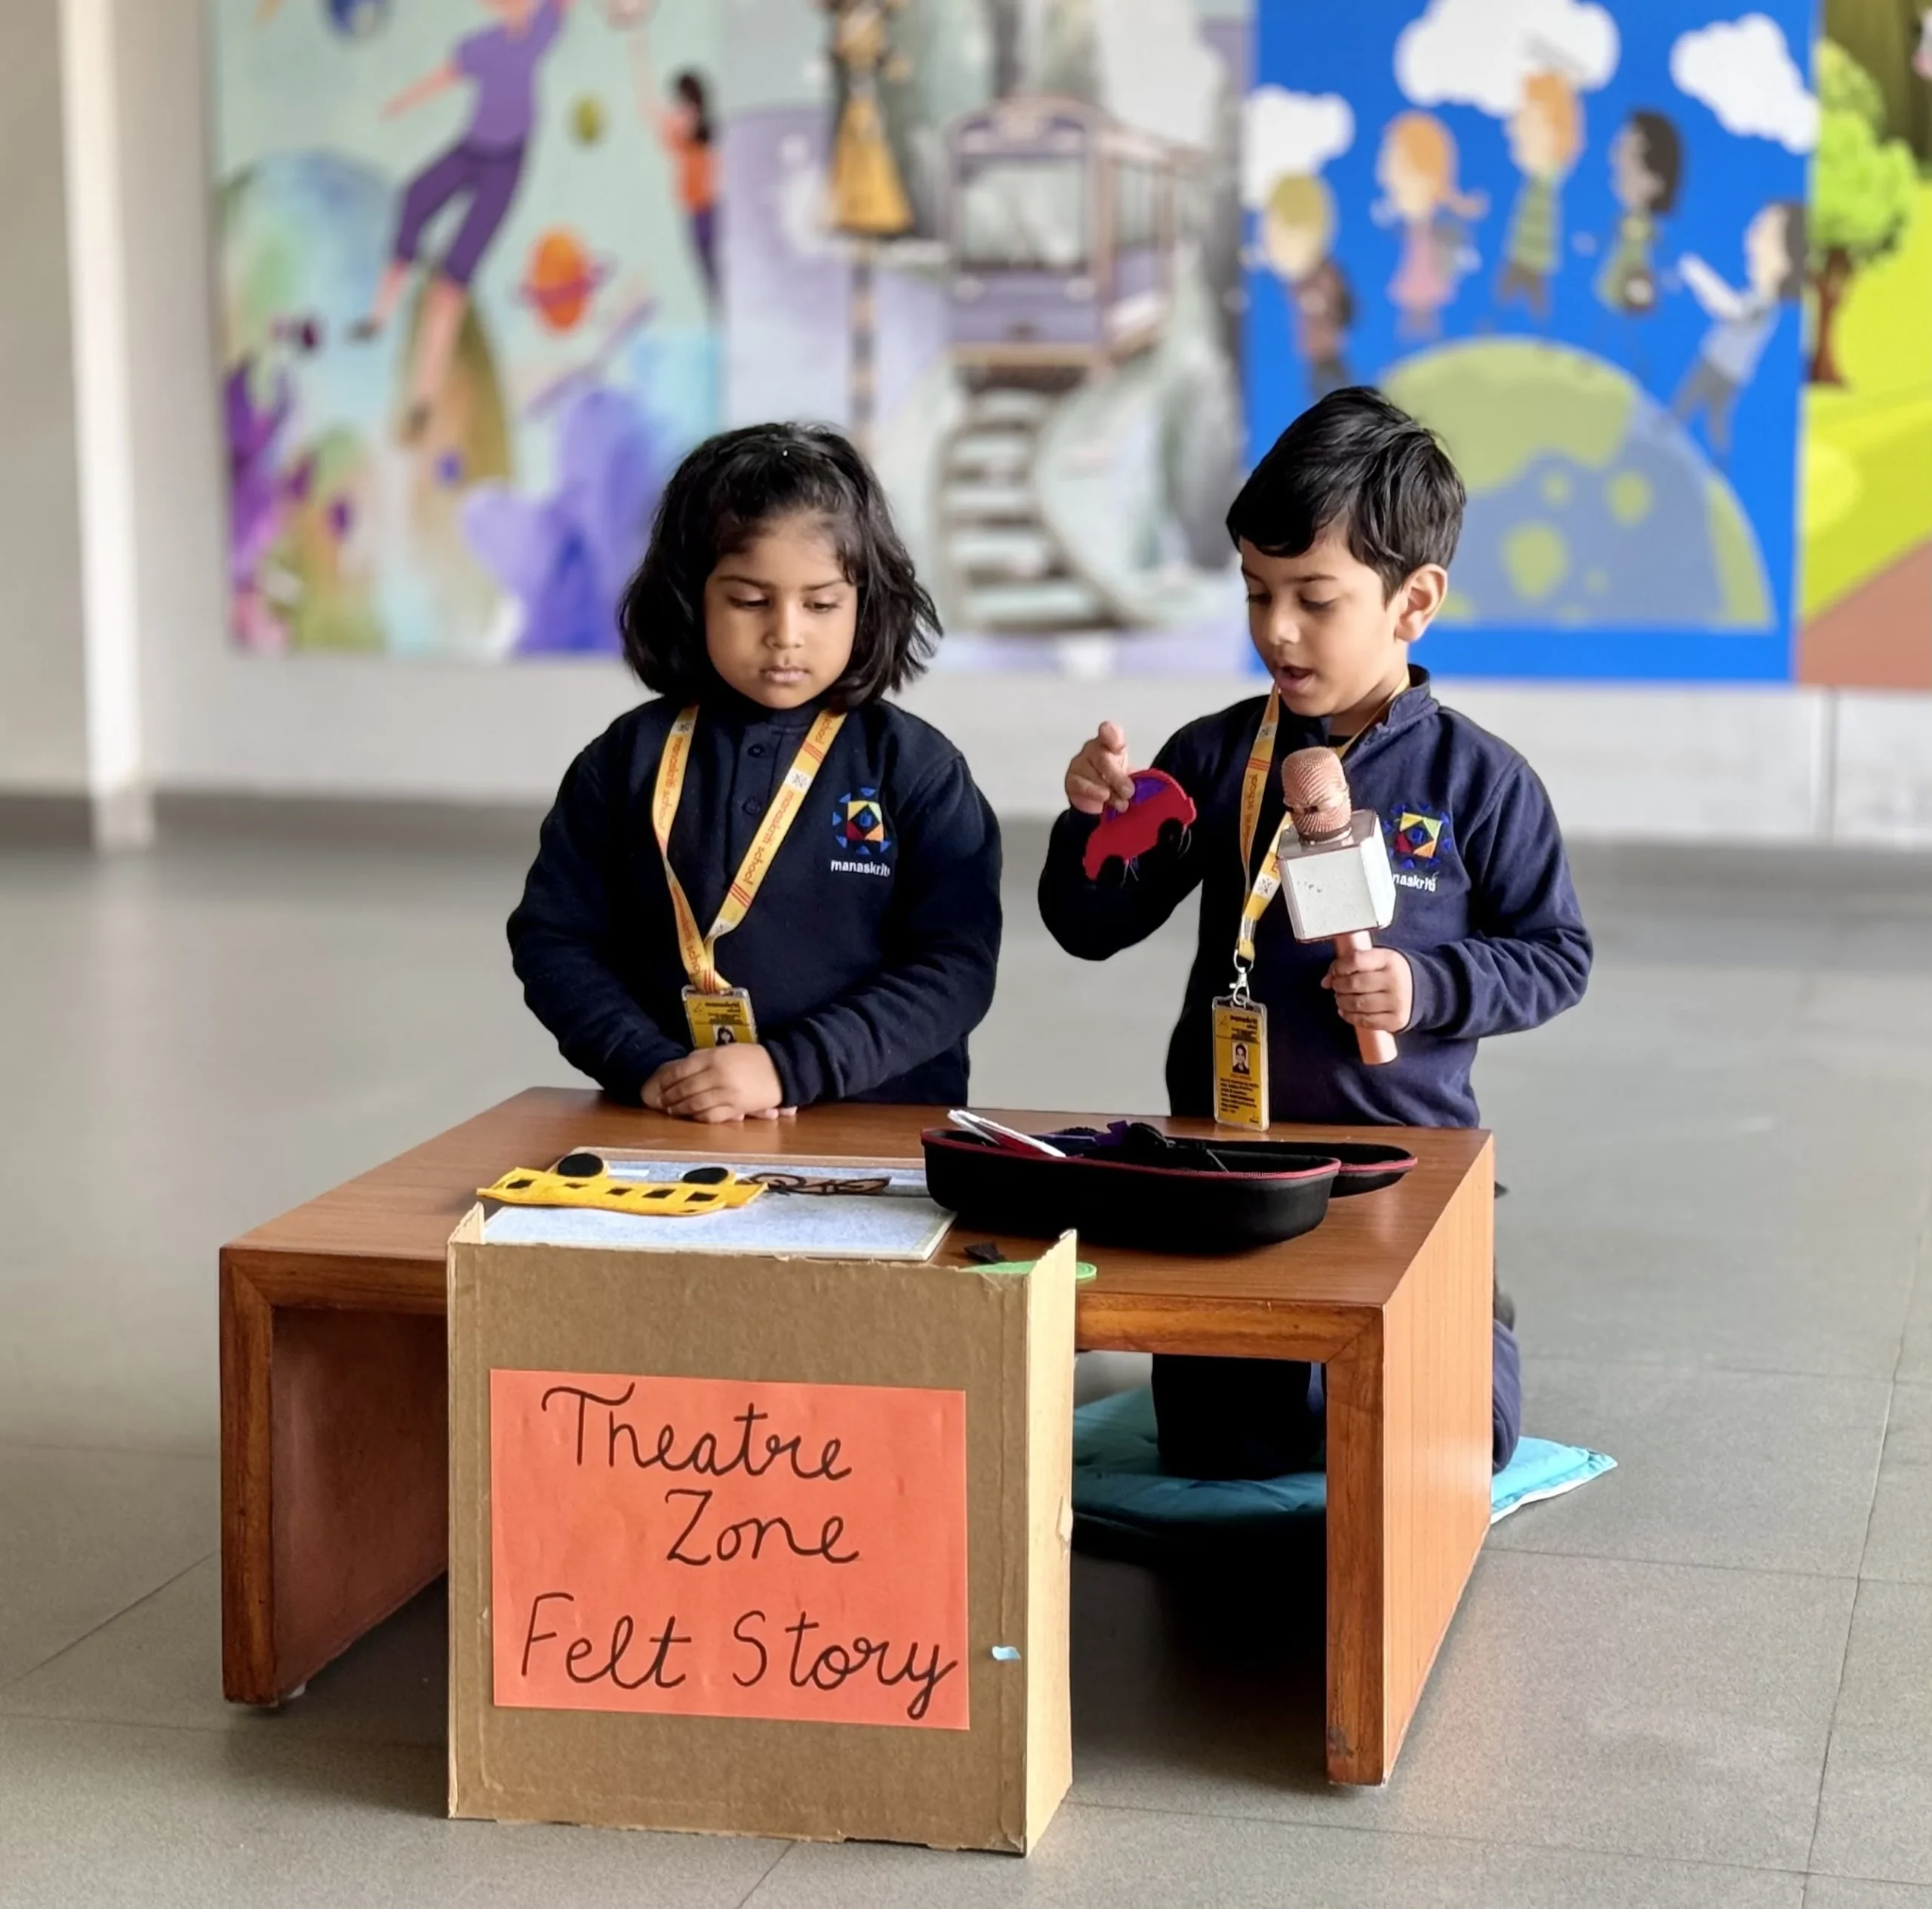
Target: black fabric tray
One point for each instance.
(1159, 1198)
(1366, 1166)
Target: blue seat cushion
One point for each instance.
(1120, 1490)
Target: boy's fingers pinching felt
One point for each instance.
(1086, 794)
(1105, 760)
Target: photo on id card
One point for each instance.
(721, 1020)
(1241, 1064)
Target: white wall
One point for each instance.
(43, 690)
(1659, 763)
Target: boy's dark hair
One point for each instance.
(1357, 464)
(718, 500)
(1663, 158)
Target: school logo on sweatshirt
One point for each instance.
(859, 831)
(1419, 844)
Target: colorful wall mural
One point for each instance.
(1571, 237)
(1000, 240)
(467, 298)
(1661, 275)
(1865, 519)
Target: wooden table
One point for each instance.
(334, 1441)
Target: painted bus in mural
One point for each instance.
(1061, 225)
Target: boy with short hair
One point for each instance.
(1345, 531)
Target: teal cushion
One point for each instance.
(1118, 1486)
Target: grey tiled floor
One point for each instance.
(1705, 1680)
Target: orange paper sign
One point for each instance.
(723, 1548)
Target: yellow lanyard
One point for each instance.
(1267, 884)
(699, 952)
(1255, 778)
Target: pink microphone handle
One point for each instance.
(1378, 1049)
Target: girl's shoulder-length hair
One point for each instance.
(717, 502)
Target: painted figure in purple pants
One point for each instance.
(485, 165)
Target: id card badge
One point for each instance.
(723, 1020)
(1240, 1063)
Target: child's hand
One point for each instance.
(717, 1084)
(1373, 988)
(1097, 778)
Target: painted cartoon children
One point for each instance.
(1646, 173)
(1417, 171)
(1727, 360)
(1546, 138)
(1298, 238)
(486, 164)
(683, 124)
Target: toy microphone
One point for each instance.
(1335, 869)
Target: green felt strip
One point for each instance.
(1082, 1272)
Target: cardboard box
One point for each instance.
(760, 1546)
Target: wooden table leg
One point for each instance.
(1409, 1432)
(248, 1567)
(334, 1480)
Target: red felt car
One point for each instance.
(1161, 813)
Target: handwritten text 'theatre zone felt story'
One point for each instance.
(718, 1547)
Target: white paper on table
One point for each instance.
(901, 1223)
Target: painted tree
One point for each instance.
(1883, 36)
(1864, 192)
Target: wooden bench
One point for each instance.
(334, 1440)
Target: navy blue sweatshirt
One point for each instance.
(869, 960)
(1485, 911)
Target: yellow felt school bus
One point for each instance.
(581, 1180)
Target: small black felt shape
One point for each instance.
(988, 1253)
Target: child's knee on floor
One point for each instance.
(1230, 1419)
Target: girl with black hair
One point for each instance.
(769, 816)
(683, 124)
(1645, 175)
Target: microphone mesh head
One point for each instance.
(1317, 794)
